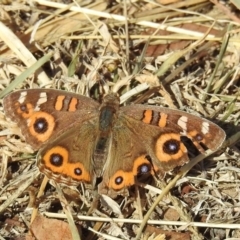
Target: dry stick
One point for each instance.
(24, 185)
(67, 211)
(226, 11)
(127, 36)
(19, 48)
(53, 15)
(123, 19)
(153, 222)
(182, 172)
(162, 39)
(138, 221)
(40, 193)
(175, 56)
(220, 57)
(30, 70)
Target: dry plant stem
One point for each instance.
(67, 211)
(122, 19)
(221, 55)
(23, 186)
(236, 3)
(185, 216)
(234, 78)
(40, 193)
(177, 71)
(165, 39)
(16, 45)
(105, 236)
(224, 81)
(53, 15)
(159, 198)
(127, 35)
(139, 205)
(161, 12)
(177, 7)
(230, 109)
(226, 11)
(175, 56)
(97, 227)
(3, 171)
(139, 64)
(153, 222)
(20, 79)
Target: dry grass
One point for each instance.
(183, 54)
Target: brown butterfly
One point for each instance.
(81, 140)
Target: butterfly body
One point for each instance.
(81, 140)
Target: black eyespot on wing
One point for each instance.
(78, 171)
(171, 146)
(199, 137)
(144, 169)
(40, 125)
(118, 180)
(23, 108)
(56, 159)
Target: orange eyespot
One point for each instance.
(57, 160)
(120, 180)
(41, 125)
(25, 110)
(141, 166)
(169, 147)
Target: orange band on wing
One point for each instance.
(147, 116)
(73, 105)
(163, 120)
(70, 168)
(192, 134)
(59, 102)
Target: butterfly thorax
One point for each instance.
(107, 116)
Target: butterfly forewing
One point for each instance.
(45, 114)
(199, 130)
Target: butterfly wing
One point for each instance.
(44, 114)
(63, 125)
(69, 158)
(144, 133)
(203, 133)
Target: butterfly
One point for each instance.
(81, 140)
